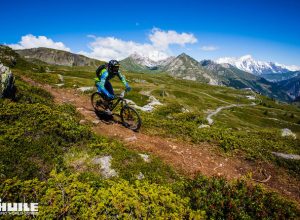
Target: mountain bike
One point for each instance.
(129, 116)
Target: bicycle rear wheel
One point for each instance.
(98, 102)
(130, 118)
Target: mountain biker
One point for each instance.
(106, 73)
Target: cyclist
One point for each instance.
(104, 74)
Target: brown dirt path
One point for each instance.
(188, 159)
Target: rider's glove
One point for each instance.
(128, 88)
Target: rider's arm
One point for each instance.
(101, 84)
(122, 78)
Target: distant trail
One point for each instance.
(220, 100)
(186, 158)
(211, 121)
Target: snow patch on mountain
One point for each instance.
(248, 64)
(146, 61)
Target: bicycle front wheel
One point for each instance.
(130, 118)
(98, 102)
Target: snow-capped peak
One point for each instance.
(248, 64)
(142, 60)
(146, 61)
(246, 57)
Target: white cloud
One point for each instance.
(209, 48)
(106, 48)
(162, 39)
(30, 41)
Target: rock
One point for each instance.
(145, 157)
(61, 78)
(140, 176)
(146, 108)
(203, 126)
(59, 84)
(139, 81)
(287, 156)
(251, 97)
(287, 132)
(85, 89)
(105, 163)
(95, 122)
(185, 110)
(82, 122)
(174, 147)
(133, 138)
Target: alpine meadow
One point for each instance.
(114, 110)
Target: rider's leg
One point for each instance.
(98, 87)
(109, 87)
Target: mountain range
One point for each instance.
(206, 71)
(230, 74)
(248, 64)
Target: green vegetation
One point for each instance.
(46, 155)
(236, 200)
(32, 148)
(64, 196)
(235, 130)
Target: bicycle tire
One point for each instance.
(125, 119)
(98, 102)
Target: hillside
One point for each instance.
(140, 64)
(231, 76)
(185, 67)
(57, 57)
(275, 77)
(182, 67)
(206, 71)
(291, 86)
(167, 169)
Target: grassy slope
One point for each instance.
(71, 149)
(68, 148)
(239, 129)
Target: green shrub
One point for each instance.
(65, 196)
(237, 200)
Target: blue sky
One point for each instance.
(268, 30)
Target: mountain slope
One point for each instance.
(229, 75)
(185, 67)
(291, 87)
(275, 77)
(138, 63)
(206, 71)
(10, 58)
(248, 64)
(57, 57)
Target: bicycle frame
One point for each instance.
(120, 99)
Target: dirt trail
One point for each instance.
(209, 117)
(186, 158)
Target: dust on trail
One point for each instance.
(188, 159)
